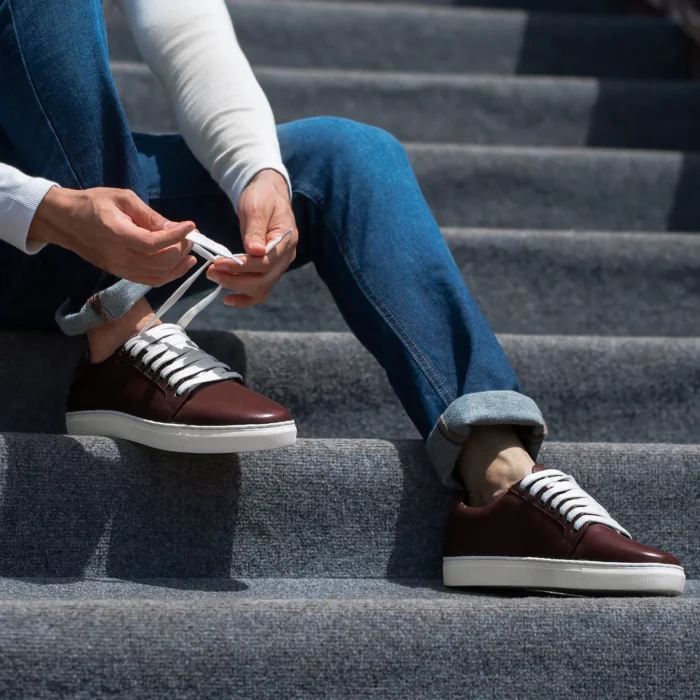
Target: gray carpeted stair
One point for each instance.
(444, 40)
(596, 7)
(590, 388)
(331, 508)
(115, 554)
(384, 648)
(555, 141)
(587, 189)
(566, 282)
(521, 111)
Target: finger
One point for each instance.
(187, 264)
(154, 241)
(251, 264)
(254, 224)
(235, 283)
(280, 245)
(256, 286)
(257, 264)
(165, 260)
(139, 212)
(160, 280)
(241, 301)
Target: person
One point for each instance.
(97, 225)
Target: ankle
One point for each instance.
(105, 340)
(492, 460)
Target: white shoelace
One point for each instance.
(169, 353)
(167, 350)
(563, 494)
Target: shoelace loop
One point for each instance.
(167, 351)
(564, 495)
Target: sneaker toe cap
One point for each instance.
(601, 543)
(230, 403)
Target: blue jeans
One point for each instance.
(362, 222)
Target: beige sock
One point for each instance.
(104, 340)
(492, 460)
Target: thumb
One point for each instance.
(255, 232)
(140, 213)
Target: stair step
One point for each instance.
(531, 282)
(596, 7)
(259, 589)
(589, 388)
(379, 648)
(552, 188)
(421, 39)
(460, 109)
(237, 589)
(94, 508)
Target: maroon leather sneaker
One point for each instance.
(160, 389)
(547, 533)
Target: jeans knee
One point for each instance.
(354, 146)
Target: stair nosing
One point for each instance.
(447, 79)
(419, 10)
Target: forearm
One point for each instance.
(221, 109)
(20, 196)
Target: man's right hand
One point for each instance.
(115, 231)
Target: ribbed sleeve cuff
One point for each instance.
(18, 204)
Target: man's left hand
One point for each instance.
(265, 213)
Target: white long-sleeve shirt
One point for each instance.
(221, 109)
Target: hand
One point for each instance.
(265, 213)
(115, 231)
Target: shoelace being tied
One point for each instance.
(562, 493)
(166, 350)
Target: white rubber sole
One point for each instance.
(564, 575)
(195, 439)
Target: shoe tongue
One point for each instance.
(538, 468)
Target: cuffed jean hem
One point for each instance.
(447, 438)
(103, 307)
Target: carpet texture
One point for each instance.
(350, 649)
(590, 388)
(330, 508)
(556, 142)
(446, 40)
(448, 108)
(597, 7)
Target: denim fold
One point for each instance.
(452, 429)
(102, 307)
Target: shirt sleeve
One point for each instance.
(220, 108)
(20, 195)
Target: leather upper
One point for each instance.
(121, 383)
(520, 525)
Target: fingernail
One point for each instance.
(170, 224)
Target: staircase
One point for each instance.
(556, 146)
